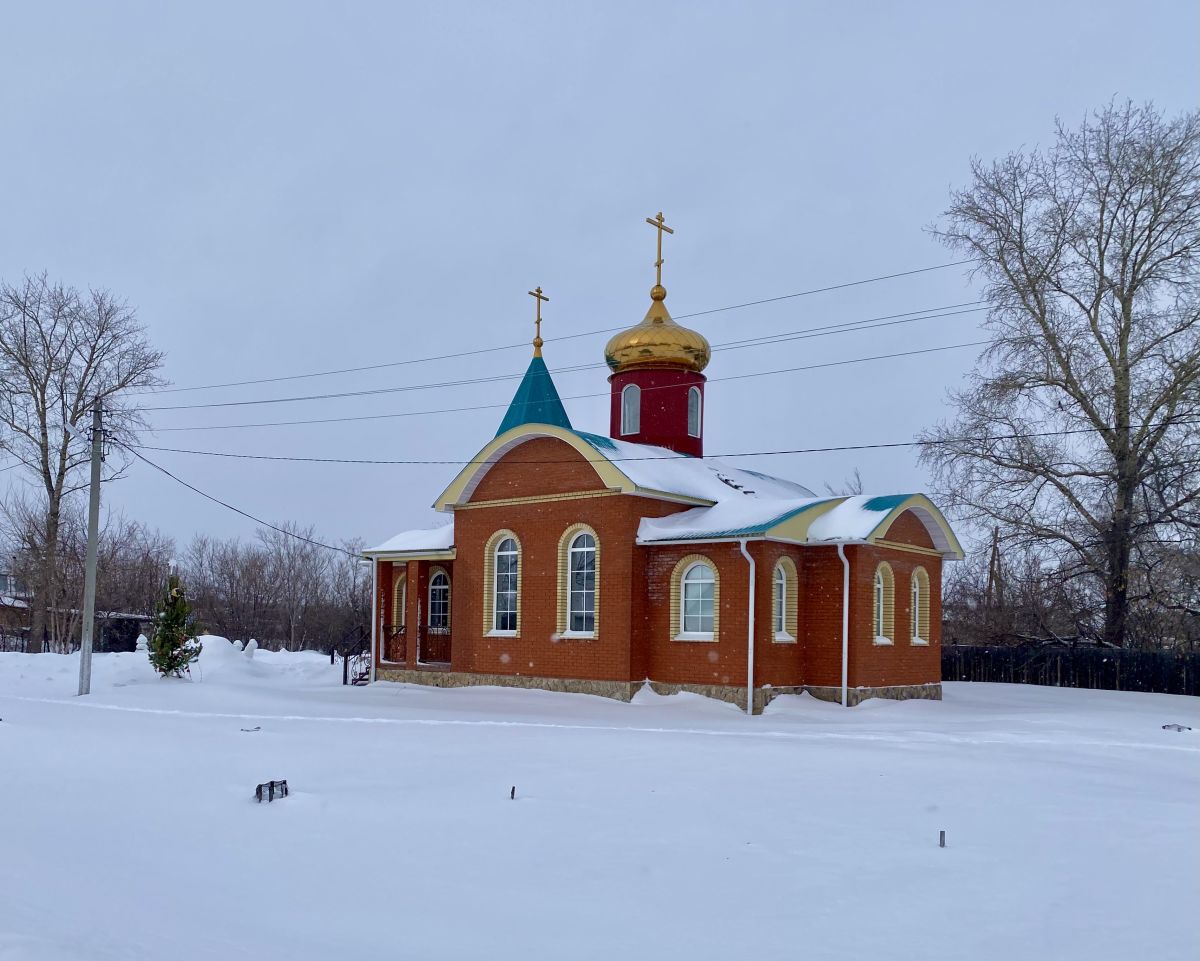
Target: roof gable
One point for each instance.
(639, 469)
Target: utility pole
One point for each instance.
(89, 578)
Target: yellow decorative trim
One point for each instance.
(400, 598)
(926, 512)
(460, 489)
(909, 548)
(564, 574)
(489, 580)
(921, 616)
(534, 499)
(795, 529)
(677, 592)
(889, 603)
(791, 611)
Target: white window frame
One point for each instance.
(918, 639)
(880, 600)
(515, 591)
(684, 634)
(694, 396)
(631, 409)
(779, 605)
(572, 550)
(433, 585)
(880, 619)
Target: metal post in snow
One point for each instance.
(89, 579)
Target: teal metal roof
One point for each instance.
(885, 502)
(600, 443)
(536, 401)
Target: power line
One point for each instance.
(655, 457)
(460, 410)
(525, 343)
(237, 510)
(871, 323)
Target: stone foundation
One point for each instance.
(619, 690)
(897, 692)
(624, 690)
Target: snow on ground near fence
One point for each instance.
(667, 828)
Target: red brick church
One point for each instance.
(589, 563)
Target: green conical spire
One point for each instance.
(536, 400)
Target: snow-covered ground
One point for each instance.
(667, 828)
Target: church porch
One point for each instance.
(413, 630)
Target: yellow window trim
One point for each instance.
(889, 604)
(399, 597)
(489, 583)
(921, 635)
(564, 575)
(791, 613)
(677, 591)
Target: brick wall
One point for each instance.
(634, 601)
(821, 610)
(539, 651)
(664, 407)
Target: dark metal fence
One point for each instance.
(433, 644)
(1055, 665)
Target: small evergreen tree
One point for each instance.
(173, 646)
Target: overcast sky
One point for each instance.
(288, 188)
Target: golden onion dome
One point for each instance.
(658, 341)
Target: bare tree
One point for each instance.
(61, 351)
(851, 486)
(299, 569)
(1089, 250)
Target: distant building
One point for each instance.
(589, 563)
(14, 608)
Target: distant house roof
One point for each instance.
(536, 401)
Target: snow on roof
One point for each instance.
(806, 520)
(731, 517)
(854, 518)
(660, 469)
(433, 539)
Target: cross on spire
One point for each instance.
(660, 226)
(537, 339)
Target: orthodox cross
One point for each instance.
(660, 226)
(537, 339)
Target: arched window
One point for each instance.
(631, 409)
(505, 583)
(697, 600)
(884, 603)
(694, 411)
(785, 602)
(439, 601)
(920, 606)
(780, 600)
(400, 600)
(581, 584)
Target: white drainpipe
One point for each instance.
(749, 634)
(845, 624)
(375, 612)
